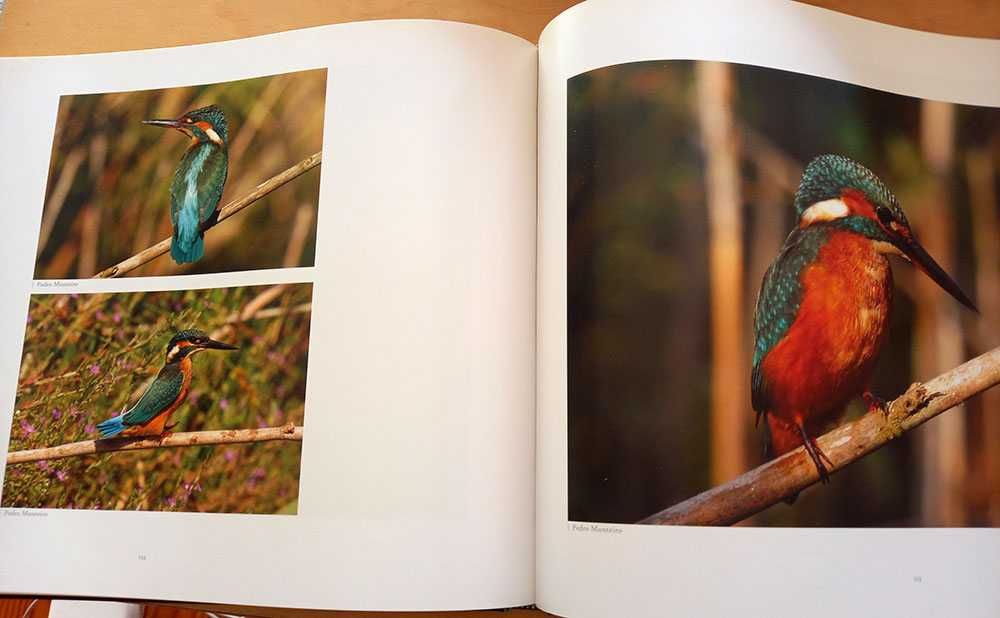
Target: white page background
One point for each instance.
(418, 456)
(677, 571)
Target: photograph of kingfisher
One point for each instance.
(199, 180)
(823, 309)
(239, 135)
(111, 361)
(151, 414)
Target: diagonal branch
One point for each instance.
(789, 474)
(230, 209)
(193, 438)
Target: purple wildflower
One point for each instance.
(223, 404)
(43, 465)
(256, 477)
(90, 428)
(95, 369)
(230, 455)
(56, 414)
(61, 475)
(27, 428)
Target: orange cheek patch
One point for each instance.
(858, 203)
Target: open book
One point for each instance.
(417, 315)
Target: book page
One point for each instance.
(766, 210)
(303, 376)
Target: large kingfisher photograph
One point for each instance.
(197, 179)
(189, 401)
(783, 298)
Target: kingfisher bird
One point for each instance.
(197, 186)
(824, 304)
(149, 416)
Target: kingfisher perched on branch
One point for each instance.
(149, 416)
(197, 186)
(823, 307)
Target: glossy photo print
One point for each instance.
(202, 179)
(188, 401)
(759, 264)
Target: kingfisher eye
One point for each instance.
(884, 215)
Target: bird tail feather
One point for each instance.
(187, 252)
(111, 427)
(187, 245)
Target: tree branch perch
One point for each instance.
(230, 209)
(789, 474)
(193, 438)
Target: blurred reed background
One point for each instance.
(89, 357)
(673, 162)
(109, 177)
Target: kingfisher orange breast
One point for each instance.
(157, 425)
(829, 352)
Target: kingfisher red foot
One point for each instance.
(150, 415)
(824, 303)
(875, 403)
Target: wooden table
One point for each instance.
(38, 27)
(44, 27)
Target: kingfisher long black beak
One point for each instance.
(913, 251)
(212, 344)
(171, 124)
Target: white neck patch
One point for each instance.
(827, 210)
(212, 135)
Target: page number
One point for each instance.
(917, 579)
(142, 557)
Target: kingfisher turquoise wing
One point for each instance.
(194, 196)
(161, 394)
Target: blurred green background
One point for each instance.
(646, 354)
(88, 357)
(108, 198)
